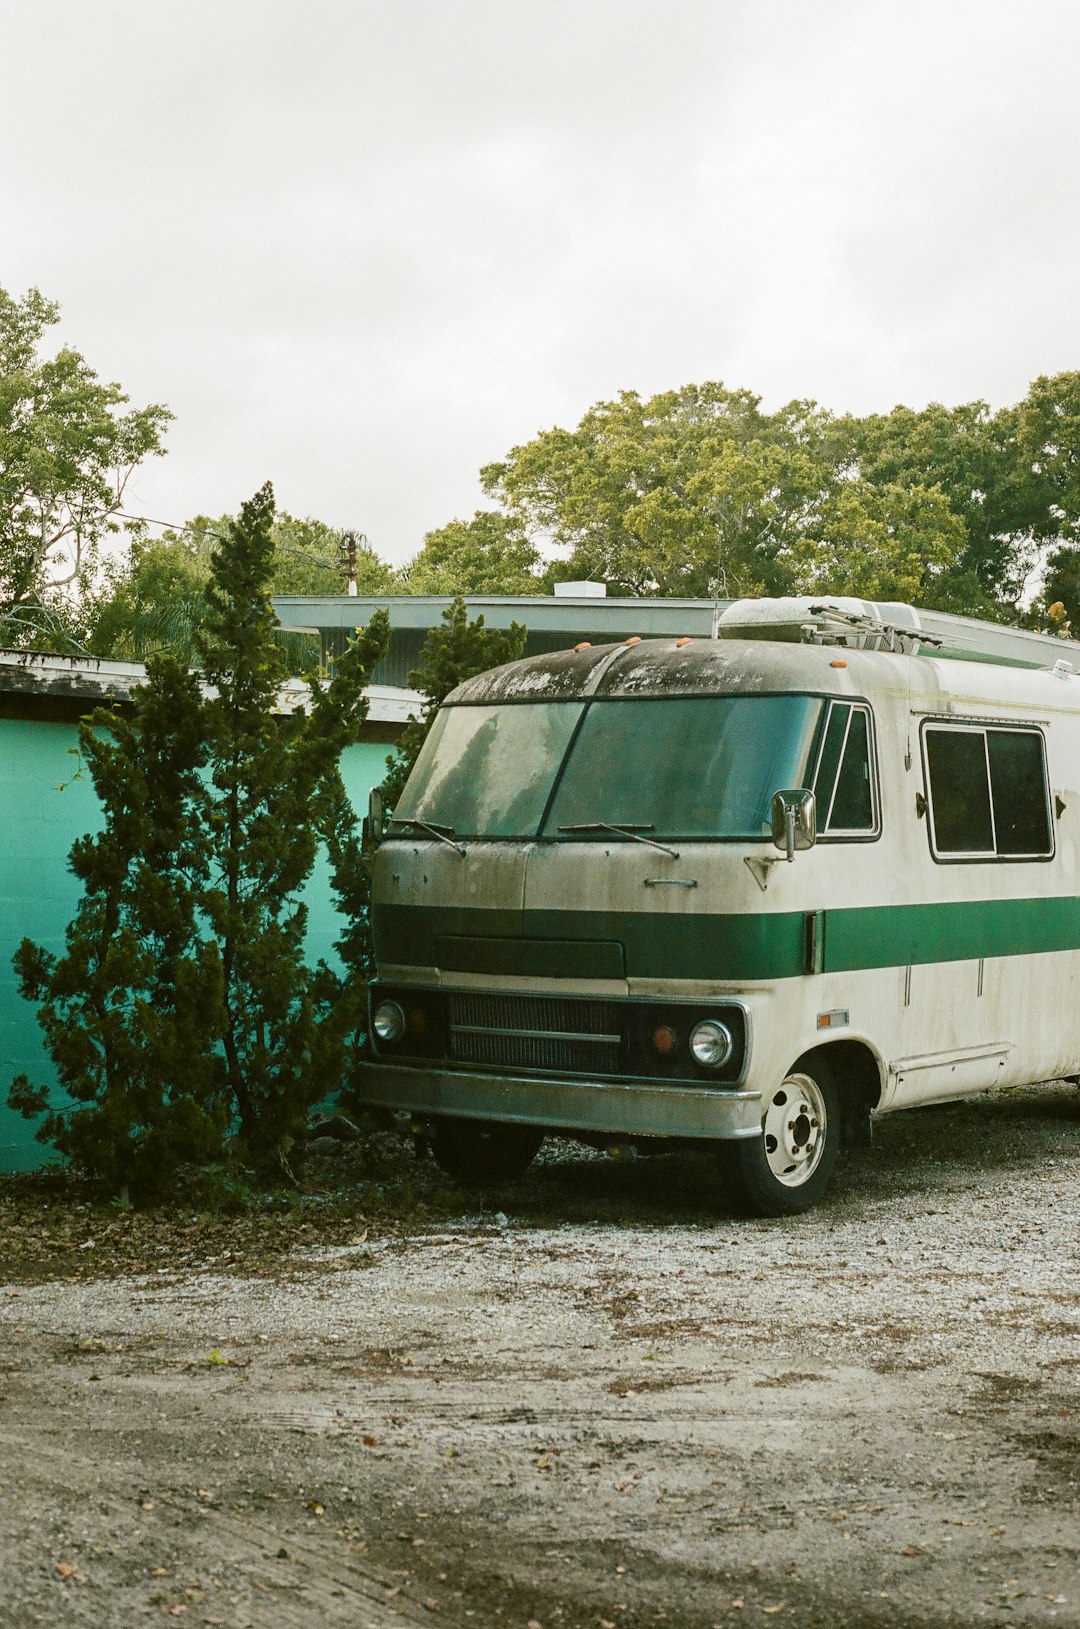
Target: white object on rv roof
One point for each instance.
(837, 619)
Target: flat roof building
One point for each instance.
(554, 621)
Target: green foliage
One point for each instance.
(132, 1011)
(1061, 588)
(693, 492)
(268, 779)
(340, 998)
(156, 600)
(701, 492)
(970, 456)
(1047, 435)
(449, 655)
(307, 560)
(67, 452)
(880, 543)
(183, 1006)
(490, 554)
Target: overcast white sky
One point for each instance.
(362, 247)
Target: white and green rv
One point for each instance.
(751, 890)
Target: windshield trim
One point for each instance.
(556, 779)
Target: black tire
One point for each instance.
(477, 1153)
(785, 1171)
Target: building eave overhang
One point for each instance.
(95, 682)
(541, 613)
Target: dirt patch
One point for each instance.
(600, 1400)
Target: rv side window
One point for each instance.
(1018, 785)
(988, 793)
(844, 783)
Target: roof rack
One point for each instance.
(892, 626)
(856, 630)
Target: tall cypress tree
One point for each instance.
(271, 778)
(183, 1005)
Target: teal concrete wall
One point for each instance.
(43, 808)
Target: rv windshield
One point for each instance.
(699, 766)
(488, 771)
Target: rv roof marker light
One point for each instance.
(686, 640)
(635, 639)
(586, 644)
(838, 662)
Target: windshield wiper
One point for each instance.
(445, 834)
(625, 831)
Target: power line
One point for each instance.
(208, 531)
(171, 525)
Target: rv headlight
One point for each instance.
(711, 1043)
(388, 1021)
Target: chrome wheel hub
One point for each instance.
(794, 1128)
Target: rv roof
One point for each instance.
(666, 667)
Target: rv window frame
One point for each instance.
(982, 727)
(848, 834)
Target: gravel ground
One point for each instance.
(651, 1413)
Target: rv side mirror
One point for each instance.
(376, 818)
(794, 821)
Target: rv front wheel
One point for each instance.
(786, 1170)
(476, 1152)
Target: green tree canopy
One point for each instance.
(490, 554)
(692, 492)
(152, 602)
(155, 600)
(880, 543)
(67, 452)
(700, 491)
(307, 560)
(969, 455)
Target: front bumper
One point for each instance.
(628, 1108)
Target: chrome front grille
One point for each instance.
(536, 1032)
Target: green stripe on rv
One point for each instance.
(722, 946)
